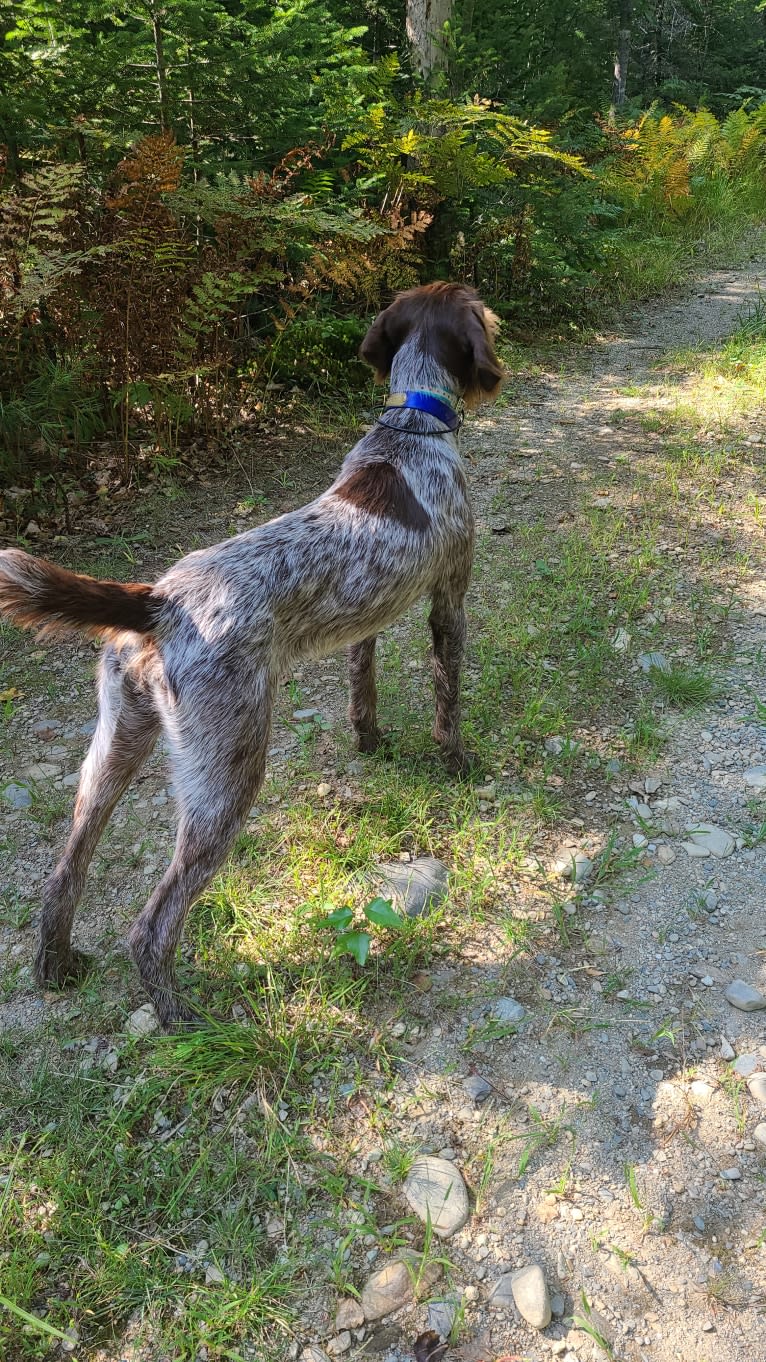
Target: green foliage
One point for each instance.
(195, 203)
(348, 939)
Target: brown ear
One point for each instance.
(487, 375)
(383, 339)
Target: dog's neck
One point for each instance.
(414, 370)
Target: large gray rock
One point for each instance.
(744, 997)
(414, 886)
(397, 1284)
(756, 777)
(143, 1021)
(18, 796)
(756, 1086)
(349, 1315)
(436, 1192)
(508, 1010)
(530, 1293)
(707, 839)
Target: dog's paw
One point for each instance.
(377, 741)
(61, 969)
(461, 763)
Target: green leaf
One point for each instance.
(354, 943)
(382, 914)
(340, 918)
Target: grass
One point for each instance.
(684, 687)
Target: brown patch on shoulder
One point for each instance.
(379, 489)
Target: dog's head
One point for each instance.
(451, 325)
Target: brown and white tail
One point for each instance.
(38, 595)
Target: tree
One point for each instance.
(426, 21)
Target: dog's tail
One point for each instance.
(37, 594)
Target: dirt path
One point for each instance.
(613, 1143)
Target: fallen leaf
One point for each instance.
(12, 693)
(428, 1347)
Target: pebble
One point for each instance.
(305, 716)
(706, 839)
(731, 1174)
(314, 1354)
(744, 997)
(415, 886)
(213, 1275)
(746, 1065)
(143, 1021)
(435, 1190)
(349, 1315)
(701, 1092)
(508, 1010)
(665, 855)
(340, 1344)
(647, 661)
(574, 866)
(323, 789)
(727, 1051)
(759, 1134)
(477, 1088)
(18, 796)
(392, 1286)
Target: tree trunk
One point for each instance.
(425, 28)
(622, 56)
(162, 75)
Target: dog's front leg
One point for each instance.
(448, 630)
(363, 704)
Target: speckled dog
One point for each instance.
(200, 653)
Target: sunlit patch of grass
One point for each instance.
(684, 687)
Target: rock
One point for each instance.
(756, 777)
(46, 729)
(395, 1285)
(18, 796)
(712, 840)
(143, 1021)
(477, 1088)
(746, 1065)
(621, 641)
(486, 792)
(744, 997)
(340, 1344)
(756, 1086)
(727, 1051)
(759, 1134)
(665, 855)
(653, 661)
(349, 1315)
(415, 886)
(701, 1092)
(442, 1315)
(575, 866)
(554, 746)
(508, 1010)
(314, 1354)
(652, 784)
(306, 716)
(323, 789)
(530, 1294)
(731, 1174)
(502, 1292)
(213, 1275)
(436, 1192)
(42, 770)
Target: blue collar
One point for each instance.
(431, 403)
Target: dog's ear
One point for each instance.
(487, 376)
(383, 339)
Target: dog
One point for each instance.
(200, 654)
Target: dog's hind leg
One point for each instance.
(218, 767)
(125, 734)
(448, 630)
(363, 704)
